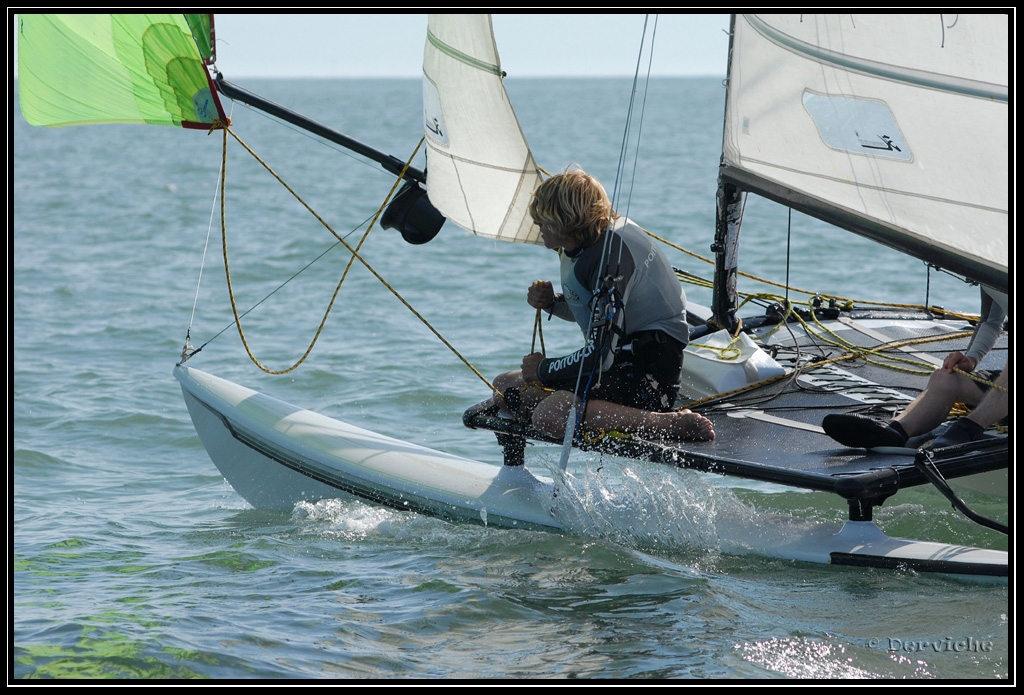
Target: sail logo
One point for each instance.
(859, 126)
(831, 378)
(650, 257)
(569, 360)
(434, 127)
(202, 102)
(883, 142)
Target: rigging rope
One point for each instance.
(353, 251)
(538, 332)
(825, 362)
(695, 280)
(224, 243)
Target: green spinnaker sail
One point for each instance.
(202, 31)
(125, 68)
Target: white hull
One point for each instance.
(275, 455)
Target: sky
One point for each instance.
(530, 45)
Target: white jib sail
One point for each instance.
(480, 172)
(898, 123)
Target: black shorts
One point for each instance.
(645, 377)
(989, 375)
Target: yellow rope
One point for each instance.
(978, 379)
(845, 300)
(231, 294)
(595, 436)
(854, 351)
(538, 330)
(842, 358)
(726, 353)
(351, 250)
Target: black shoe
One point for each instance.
(861, 432)
(960, 432)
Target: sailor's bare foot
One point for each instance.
(686, 426)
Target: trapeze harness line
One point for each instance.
(600, 278)
(574, 411)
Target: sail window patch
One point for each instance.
(859, 126)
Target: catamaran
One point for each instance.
(878, 104)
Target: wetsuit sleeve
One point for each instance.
(987, 332)
(560, 308)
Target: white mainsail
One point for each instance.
(480, 171)
(891, 126)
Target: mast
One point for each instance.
(728, 219)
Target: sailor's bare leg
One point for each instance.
(504, 382)
(931, 408)
(529, 394)
(995, 404)
(550, 417)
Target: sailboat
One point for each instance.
(855, 120)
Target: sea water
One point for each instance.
(133, 558)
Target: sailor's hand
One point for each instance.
(957, 360)
(530, 364)
(540, 295)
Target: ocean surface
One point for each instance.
(133, 558)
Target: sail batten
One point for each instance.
(911, 76)
(459, 55)
(890, 126)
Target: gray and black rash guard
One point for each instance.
(986, 333)
(649, 295)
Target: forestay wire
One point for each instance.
(622, 188)
(620, 174)
(188, 350)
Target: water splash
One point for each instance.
(666, 511)
(347, 519)
(643, 507)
